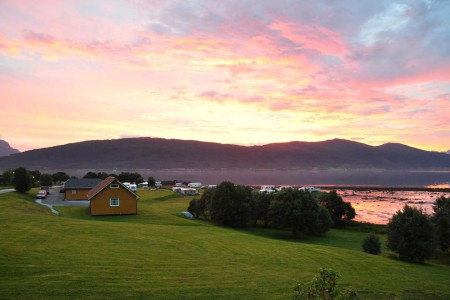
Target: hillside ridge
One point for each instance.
(159, 153)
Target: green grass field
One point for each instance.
(159, 255)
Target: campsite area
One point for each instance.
(157, 254)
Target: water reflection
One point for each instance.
(377, 207)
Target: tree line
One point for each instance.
(23, 180)
(298, 211)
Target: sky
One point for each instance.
(240, 72)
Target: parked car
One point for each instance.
(41, 194)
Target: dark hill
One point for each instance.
(6, 149)
(156, 153)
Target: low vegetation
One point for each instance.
(324, 287)
(372, 244)
(158, 254)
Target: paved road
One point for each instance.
(57, 199)
(6, 191)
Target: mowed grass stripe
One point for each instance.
(157, 254)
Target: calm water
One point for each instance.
(379, 206)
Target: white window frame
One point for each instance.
(114, 185)
(74, 192)
(112, 202)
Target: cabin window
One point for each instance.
(74, 192)
(114, 202)
(114, 186)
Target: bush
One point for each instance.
(324, 286)
(372, 244)
(411, 235)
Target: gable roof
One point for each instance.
(83, 183)
(105, 183)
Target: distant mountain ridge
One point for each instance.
(6, 149)
(158, 153)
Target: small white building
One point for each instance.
(310, 189)
(268, 189)
(143, 185)
(176, 189)
(196, 185)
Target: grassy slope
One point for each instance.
(158, 254)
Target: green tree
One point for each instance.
(59, 177)
(230, 205)
(35, 177)
(46, 180)
(90, 174)
(22, 180)
(151, 181)
(372, 244)
(441, 220)
(411, 235)
(340, 211)
(262, 205)
(102, 175)
(299, 212)
(8, 177)
(130, 177)
(324, 287)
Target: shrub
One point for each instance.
(372, 244)
(323, 286)
(411, 235)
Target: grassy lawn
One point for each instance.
(5, 187)
(159, 255)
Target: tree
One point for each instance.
(151, 181)
(298, 211)
(90, 174)
(8, 177)
(46, 180)
(22, 180)
(441, 220)
(130, 177)
(411, 235)
(262, 205)
(59, 177)
(35, 177)
(324, 287)
(340, 211)
(231, 205)
(372, 244)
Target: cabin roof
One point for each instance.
(81, 184)
(105, 183)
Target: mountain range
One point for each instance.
(158, 153)
(6, 149)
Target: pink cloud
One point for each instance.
(312, 37)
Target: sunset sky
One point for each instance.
(241, 72)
